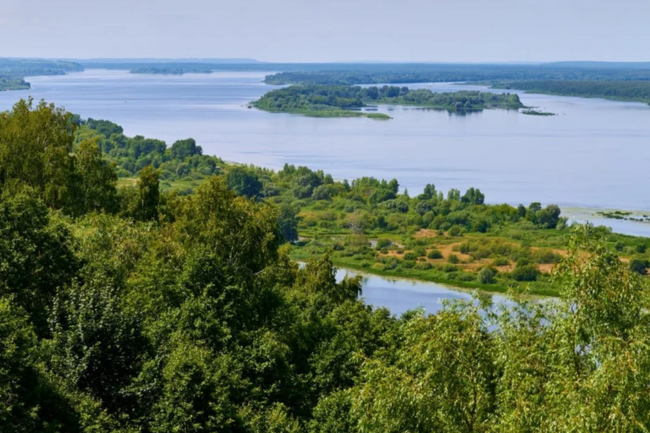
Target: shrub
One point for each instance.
(525, 273)
(639, 265)
(486, 275)
(456, 230)
(420, 251)
(384, 243)
(423, 266)
(620, 246)
(410, 256)
(434, 254)
(453, 258)
(449, 268)
(408, 264)
(465, 248)
(640, 248)
(464, 276)
(500, 261)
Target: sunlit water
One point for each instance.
(401, 295)
(594, 153)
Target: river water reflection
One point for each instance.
(401, 295)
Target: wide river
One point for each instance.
(593, 154)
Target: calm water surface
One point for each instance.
(400, 296)
(593, 154)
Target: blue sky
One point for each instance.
(330, 30)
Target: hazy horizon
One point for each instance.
(293, 31)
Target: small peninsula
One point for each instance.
(346, 101)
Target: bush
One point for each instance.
(423, 266)
(449, 268)
(420, 251)
(639, 265)
(640, 248)
(500, 261)
(456, 230)
(525, 273)
(620, 246)
(410, 256)
(453, 258)
(434, 254)
(384, 243)
(486, 276)
(465, 248)
(408, 264)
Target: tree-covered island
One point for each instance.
(342, 101)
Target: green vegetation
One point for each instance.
(182, 166)
(616, 90)
(622, 215)
(13, 83)
(352, 74)
(339, 101)
(531, 112)
(344, 218)
(13, 71)
(134, 310)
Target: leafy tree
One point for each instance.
(473, 196)
(288, 223)
(35, 148)
(36, 256)
(548, 217)
(148, 194)
(181, 149)
(243, 182)
(94, 180)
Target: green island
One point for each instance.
(139, 309)
(624, 215)
(533, 112)
(340, 101)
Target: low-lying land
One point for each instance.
(638, 91)
(342, 101)
(370, 224)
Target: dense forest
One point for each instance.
(619, 90)
(13, 71)
(334, 100)
(432, 73)
(133, 310)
